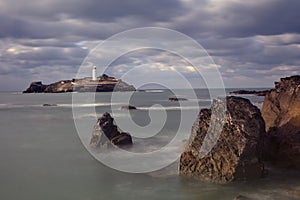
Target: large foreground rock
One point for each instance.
(281, 112)
(237, 153)
(106, 134)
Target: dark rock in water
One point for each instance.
(257, 93)
(281, 112)
(122, 139)
(129, 107)
(106, 133)
(237, 153)
(36, 87)
(177, 99)
(241, 197)
(49, 105)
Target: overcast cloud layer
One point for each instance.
(254, 42)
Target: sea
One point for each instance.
(45, 153)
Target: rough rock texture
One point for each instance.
(60, 87)
(106, 133)
(103, 84)
(36, 87)
(281, 112)
(237, 153)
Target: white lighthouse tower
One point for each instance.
(94, 74)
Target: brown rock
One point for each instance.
(106, 134)
(237, 153)
(281, 112)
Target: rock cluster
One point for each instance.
(238, 150)
(106, 134)
(281, 112)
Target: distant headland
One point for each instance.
(103, 83)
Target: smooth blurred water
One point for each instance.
(42, 157)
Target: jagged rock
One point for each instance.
(106, 133)
(281, 112)
(36, 87)
(237, 153)
(129, 107)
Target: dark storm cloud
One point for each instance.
(48, 39)
(104, 10)
(241, 18)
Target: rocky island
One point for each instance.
(103, 83)
(249, 139)
(253, 92)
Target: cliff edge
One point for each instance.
(281, 112)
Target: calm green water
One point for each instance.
(42, 157)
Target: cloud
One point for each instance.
(251, 42)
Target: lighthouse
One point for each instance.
(94, 74)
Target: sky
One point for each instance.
(252, 43)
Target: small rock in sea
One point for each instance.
(49, 105)
(106, 134)
(129, 107)
(241, 197)
(177, 99)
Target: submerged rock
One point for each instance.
(129, 107)
(177, 99)
(238, 150)
(49, 105)
(106, 133)
(281, 112)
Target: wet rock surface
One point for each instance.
(106, 134)
(281, 112)
(238, 150)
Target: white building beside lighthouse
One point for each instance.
(94, 74)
